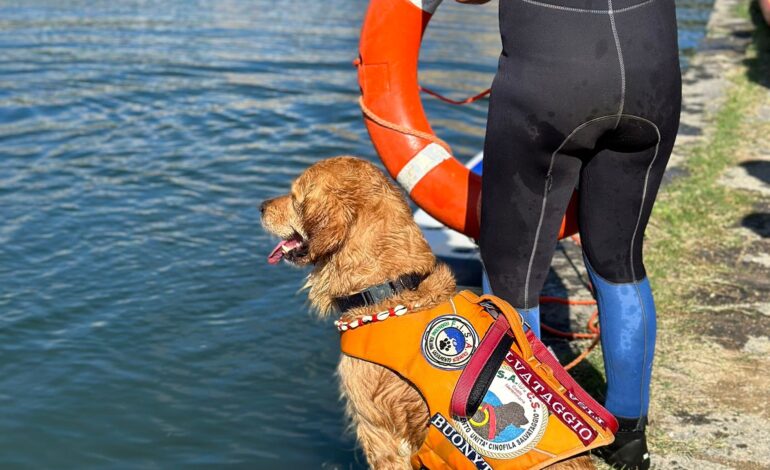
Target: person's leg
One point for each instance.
(530, 316)
(617, 191)
(526, 188)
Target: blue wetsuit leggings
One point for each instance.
(587, 95)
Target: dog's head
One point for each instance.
(348, 220)
(326, 204)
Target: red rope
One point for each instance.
(455, 102)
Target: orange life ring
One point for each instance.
(421, 162)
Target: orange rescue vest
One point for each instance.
(497, 398)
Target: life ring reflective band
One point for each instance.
(422, 163)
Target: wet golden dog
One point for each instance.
(350, 222)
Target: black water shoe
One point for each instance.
(629, 451)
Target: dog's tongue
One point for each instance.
(275, 256)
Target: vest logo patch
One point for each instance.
(510, 421)
(448, 342)
(449, 432)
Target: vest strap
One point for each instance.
(483, 365)
(495, 309)
(480, 371)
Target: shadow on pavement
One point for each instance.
(759, 169)
(759, 222)
(759, 66)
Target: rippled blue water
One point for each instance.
(140, 326)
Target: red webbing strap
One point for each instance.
(575, 393)
(481, 356)
(508, 322)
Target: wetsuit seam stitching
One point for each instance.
(610, 282)
(537, 231)
(644, 197)
(620, 60)
(633, 271)
(583, 10)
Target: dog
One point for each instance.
(348, 221)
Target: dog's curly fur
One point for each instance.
(357, 231)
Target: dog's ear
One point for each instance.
(326, 218)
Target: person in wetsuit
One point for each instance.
(587, 94)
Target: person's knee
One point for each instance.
(618, 265)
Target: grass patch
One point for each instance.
(692, 215)
(740, 10)
(691, 218)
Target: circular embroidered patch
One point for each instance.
(448, 342)
(510, 420)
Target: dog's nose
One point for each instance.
(263, 207)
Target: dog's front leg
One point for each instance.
(388, 414)
(383, 450)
